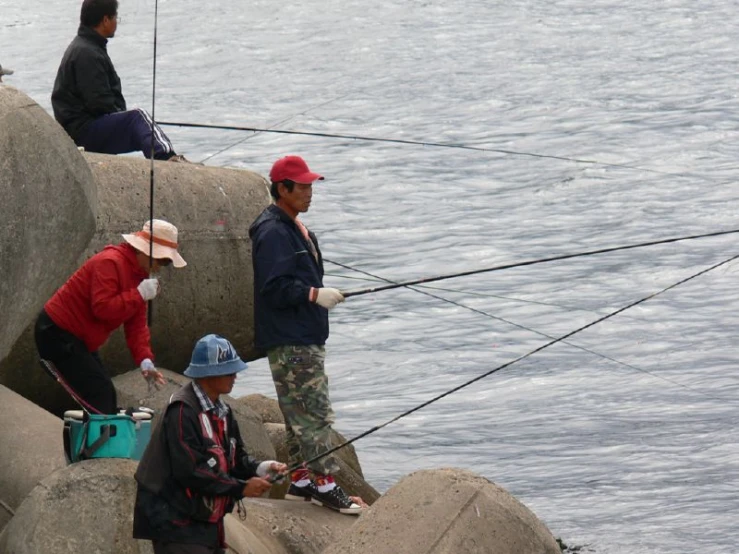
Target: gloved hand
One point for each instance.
(148, 289)
(151, 374)
(328, 297)
(271, 469)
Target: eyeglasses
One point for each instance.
(164, 262)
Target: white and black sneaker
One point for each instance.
(336, 499)
(304, 493)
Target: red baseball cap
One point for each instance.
(293, 168)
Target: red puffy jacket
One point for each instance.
(100, 297)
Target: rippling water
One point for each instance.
(623, 439)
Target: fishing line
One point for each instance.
(507, 364)
(424, 143)
(150, 306)
(519, 326)
(511, 298)
(274, 125)
(358, 292)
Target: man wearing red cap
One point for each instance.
(291, 323)
(111, 289)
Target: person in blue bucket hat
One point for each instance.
(195, 467)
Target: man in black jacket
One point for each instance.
(291, 323)
(87, 97)
(195, 466)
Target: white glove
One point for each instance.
(328, 297)
(264, 468)
(148, 289)
(152, 375)
(272, 471)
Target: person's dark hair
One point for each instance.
(93, 11)
(289, 185)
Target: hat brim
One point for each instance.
(307, 178)
(158, 252)
(228, 368)
(4, 72)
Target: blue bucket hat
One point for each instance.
(214, 356)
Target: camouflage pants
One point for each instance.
(302, 391)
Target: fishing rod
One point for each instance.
(150, 310)
(458, 291)
(541, 334)
(359, 292)
(505, 365)
(415, 143)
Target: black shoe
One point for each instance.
(336, 499)
(182, 159)
(301, 493)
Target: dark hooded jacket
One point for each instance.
(191, 474)
(87, 85)
(285, 269)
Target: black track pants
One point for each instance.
(83, 370)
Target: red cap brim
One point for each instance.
(307, 178)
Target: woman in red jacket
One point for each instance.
(111, 289)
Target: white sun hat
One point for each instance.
(163, 239)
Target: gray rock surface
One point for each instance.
(133, 390)
(284, 527)
(267, 408)
(88, 508)
(30, 450)
(47, 213)
(256, 438)
(446, 511)
(83, 508)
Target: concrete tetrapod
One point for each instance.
(47, 213)
(83, 507)
(285, 527)
(446, 511)
(30, 450)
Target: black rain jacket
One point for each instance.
(87, 85)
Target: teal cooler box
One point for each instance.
(105, 436)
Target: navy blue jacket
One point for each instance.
(284, 271)
(87, 85)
